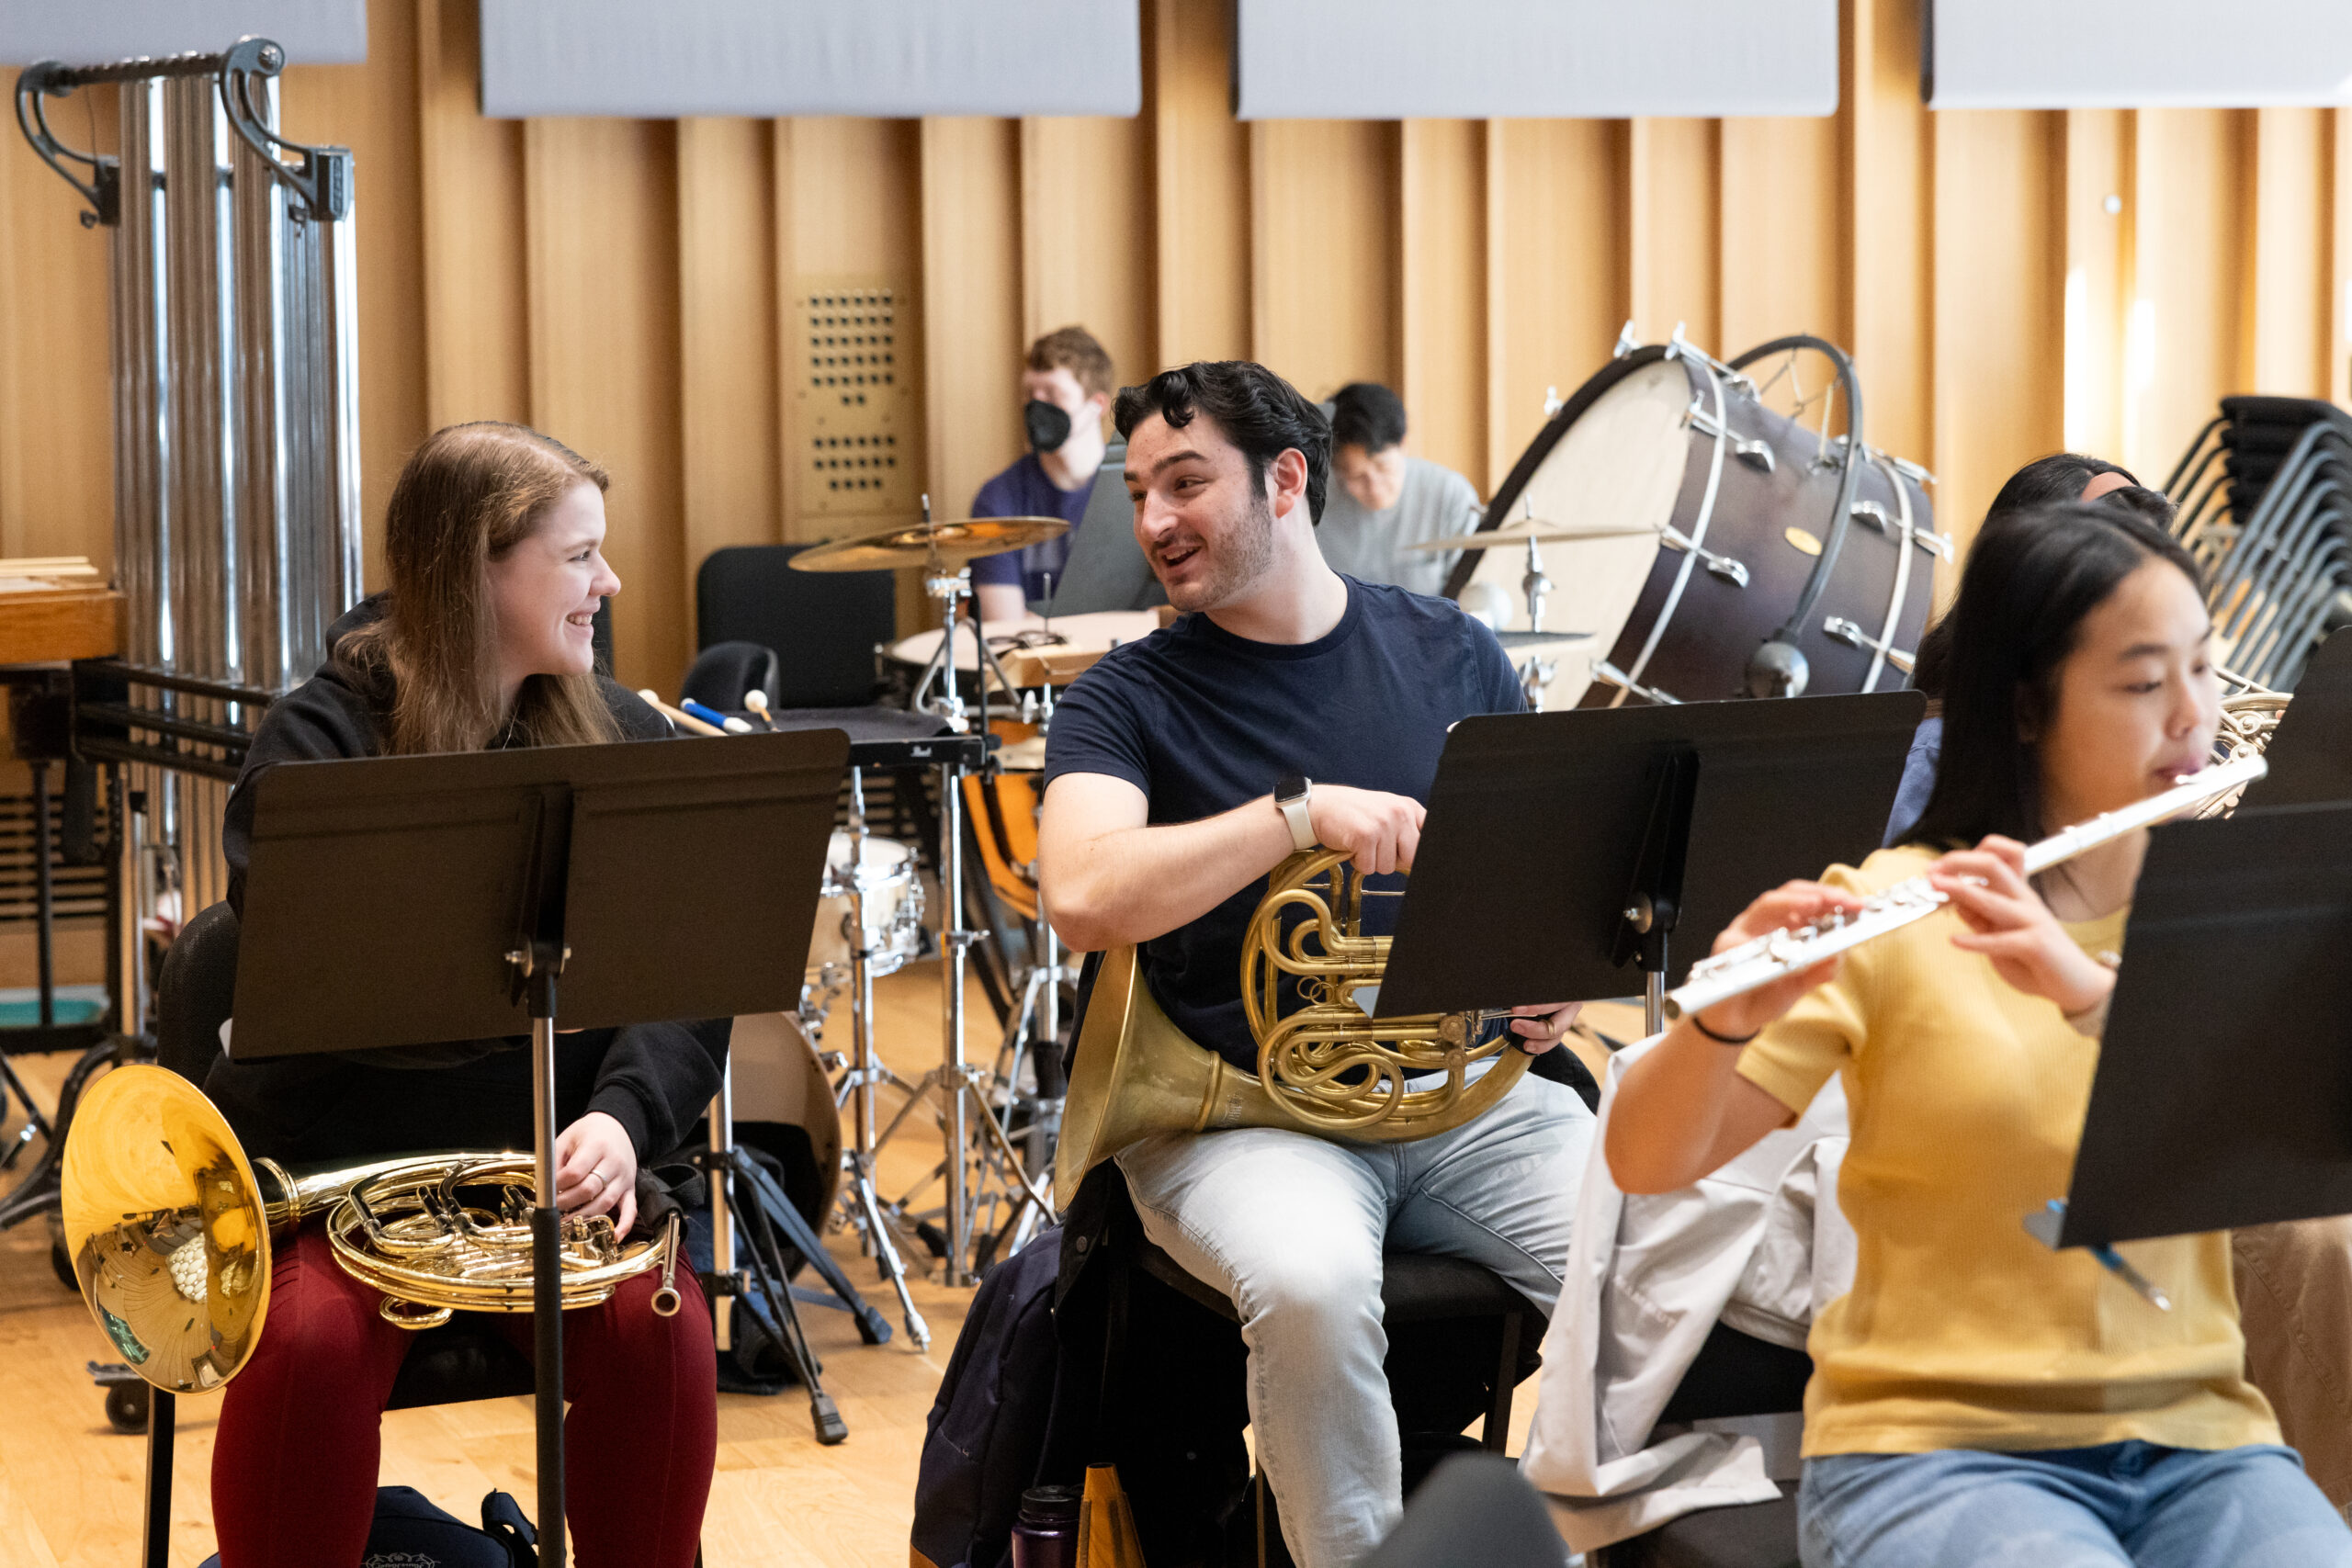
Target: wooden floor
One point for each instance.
(70, 1484)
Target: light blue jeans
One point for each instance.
(2120, 1503)
(1291, 1227)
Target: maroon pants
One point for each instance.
(295, 1459)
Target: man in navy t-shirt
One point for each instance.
(1065, 388)
(1288, 707)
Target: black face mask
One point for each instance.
(1047, 423)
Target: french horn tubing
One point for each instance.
(1328, 1064)
(171, 1227)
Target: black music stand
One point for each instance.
(2224, 1093)
(408, 900)
(2224, 1096)
(2310, 752)
(1582, 839)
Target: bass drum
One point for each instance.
(784, 1104)
(1729, 506)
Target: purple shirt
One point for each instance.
(1023, 491)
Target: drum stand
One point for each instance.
(862, 1199)
(965, 1090)
(1041, 999)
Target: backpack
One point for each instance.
(987, 1426)
(410, 1532)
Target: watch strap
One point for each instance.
(1292, 794)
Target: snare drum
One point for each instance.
(1728, 504)
(893, 912)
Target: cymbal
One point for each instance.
(951, 543)
(1520, 530)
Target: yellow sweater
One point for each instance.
(1967, 1100)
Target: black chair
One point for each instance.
(725, 672)
(822, 625)
(1734, 1374)
(195, 994)
(1434, 1307)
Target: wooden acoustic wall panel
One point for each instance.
(643, 291)
(1557, 268)
(2289, 339)
(56, 386)
(1324, 250)
(1997, 308)
(2101, 235)
(1675, 210)
(602, 214)
(1783, 269)
(476, 339)
(971, 284)
(374, 110)
(1202, 155)
(2339, 288)
(1087, 240)
(848, 245)
(2184, 343)
(1887, 228)
(1442, 280)
(728, 338)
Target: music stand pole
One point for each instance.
(953, 939)
(547, 1262)
(722, 1217)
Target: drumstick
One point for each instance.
(709, 715)
(756, 702)
(678, 716)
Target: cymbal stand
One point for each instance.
(966, 1090)
(866, 1073)
(1539, 670)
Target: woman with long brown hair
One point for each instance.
(494, 544)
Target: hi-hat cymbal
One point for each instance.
(951, 543)
(1520, 530)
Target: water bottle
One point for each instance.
(1045, 1534)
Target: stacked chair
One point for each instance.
(2264, 495)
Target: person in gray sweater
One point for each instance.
(1387, 498)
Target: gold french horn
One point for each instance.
(1329, 1066)
(171, 1228)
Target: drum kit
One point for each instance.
(1723, 545)
(999, 1120)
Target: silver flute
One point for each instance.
(1777, 954)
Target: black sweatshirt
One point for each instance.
(656, 1079)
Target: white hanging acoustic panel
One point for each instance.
(2071, 54)
(98, 32)
(767, 58)
(1533, 59)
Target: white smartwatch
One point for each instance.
(1291, 792)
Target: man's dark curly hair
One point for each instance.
(1257, 410)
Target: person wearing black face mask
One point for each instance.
(1067, 385)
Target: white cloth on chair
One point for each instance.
(1754, 1246)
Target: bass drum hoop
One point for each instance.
(1522, 473)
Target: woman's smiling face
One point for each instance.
(545, 590)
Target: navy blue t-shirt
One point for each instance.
(1201, 721)
(1023, 491)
